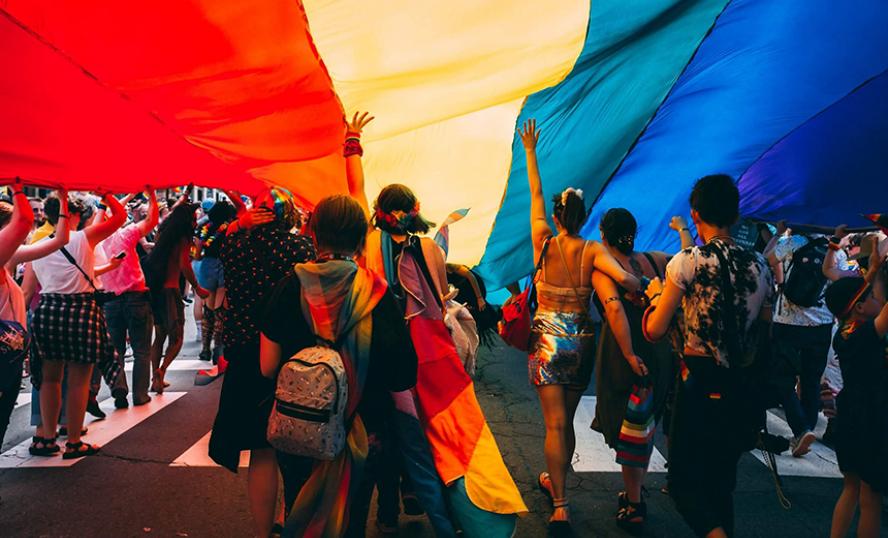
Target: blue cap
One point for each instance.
(207, 204)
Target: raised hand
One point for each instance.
(678, 223)
(529, 135)
(358, 122)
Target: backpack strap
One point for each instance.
(653, 263)
(731, 331)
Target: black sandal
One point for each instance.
(632, 517)
(78, 450)
(559, 528)
(49, 448)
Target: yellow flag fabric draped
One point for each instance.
(446, 81)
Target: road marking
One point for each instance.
(180, 365)
(198, 456)
(101, 432)
(24, 398)
(821, 462)
(592, 454)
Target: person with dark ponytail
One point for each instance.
(628, 364)
(562, 337)
(169, 259)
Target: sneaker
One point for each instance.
(93, 409)
(801, 444)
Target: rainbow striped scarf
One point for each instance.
(337, 299)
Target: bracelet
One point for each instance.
(609, 300)
(62, 216)
(685, 229)
(353, 147)
(834, 246)
(644, 319)
(17, 192)
(352, 134)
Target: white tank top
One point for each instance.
(57, 275)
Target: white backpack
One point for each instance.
(309, 414)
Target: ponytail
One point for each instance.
(570, 210)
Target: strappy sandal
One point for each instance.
(546, 491)
(559, 528)
(63, 431)
(48, 448)
(632, 517)
(79, 450)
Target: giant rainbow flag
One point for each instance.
(636, 99)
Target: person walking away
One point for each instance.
(862, 420)
(802, 330)
(128, 313)
(342, 302)
(562, 344)
(257, 252)
(211, 276)
(167, 262)
(723, 290)
(16, 221)
(70, 332)
(633, 376)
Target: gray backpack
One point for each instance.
(309, 414)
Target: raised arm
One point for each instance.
(16, 231)
(354, 169)
(604, 262)
(153, 217)
(99, 231)
(539, 226)
(680, 225)
(236, 201)
(27, 253)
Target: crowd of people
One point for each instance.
(355, 297)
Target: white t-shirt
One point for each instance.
(57, 275)
(788, 313)
(12, 301)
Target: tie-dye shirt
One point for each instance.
(696, 270)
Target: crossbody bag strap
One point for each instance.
(732, 338)
(570, 276)
(73, 262)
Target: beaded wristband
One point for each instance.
(353, 147)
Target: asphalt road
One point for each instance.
(153, 477)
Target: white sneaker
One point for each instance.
(801, 444)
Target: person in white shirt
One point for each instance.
(69, 327)
(15, 225)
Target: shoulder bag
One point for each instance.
(514, 327)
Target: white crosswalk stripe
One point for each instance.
(24, 398)
(100, 432)
(592, 455)
(183, 365)
(198, 456)
(821, 462)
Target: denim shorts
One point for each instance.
(210, 274)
